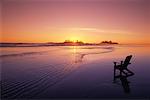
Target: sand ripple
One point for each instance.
(44, 79)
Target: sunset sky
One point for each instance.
(123, 21)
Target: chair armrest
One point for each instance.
(115, 63)
(118, 62)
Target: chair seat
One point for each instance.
(118, 67)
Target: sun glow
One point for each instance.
(74, 39)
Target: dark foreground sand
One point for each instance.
(72, 72)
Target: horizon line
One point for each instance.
(83, 42)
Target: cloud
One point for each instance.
(97, 30)
(91, 30)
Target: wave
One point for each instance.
(82, 55)
(28, 53)
(22, 54)
(42, 52)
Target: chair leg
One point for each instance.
(114, 73)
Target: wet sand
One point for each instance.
(72, 72)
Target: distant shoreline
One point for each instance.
(49, 45)
(53, 44)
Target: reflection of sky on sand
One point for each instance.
(79, 52)
(75, 71)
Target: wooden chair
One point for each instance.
(122, 67)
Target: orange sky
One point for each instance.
(125, 21)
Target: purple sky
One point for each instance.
(126, 21)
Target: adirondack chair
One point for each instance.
(122, 67)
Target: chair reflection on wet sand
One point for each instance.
(124, 73)
(124, 82)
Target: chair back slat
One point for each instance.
(127, 61)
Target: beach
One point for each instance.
(73, 72)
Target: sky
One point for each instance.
(123, 21)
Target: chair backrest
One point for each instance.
(127, 61)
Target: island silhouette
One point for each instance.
(65, 43)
